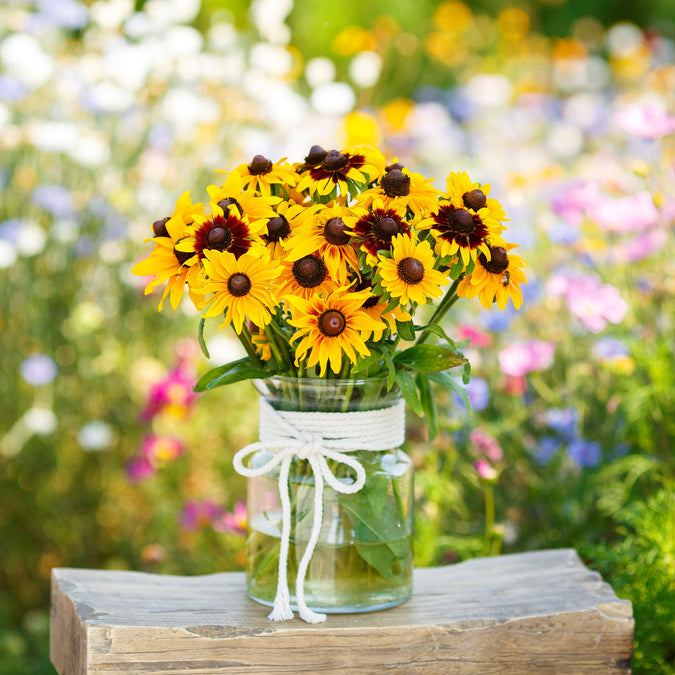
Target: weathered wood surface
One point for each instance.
(541, 612)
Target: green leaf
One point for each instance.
(429, 358)
(200, 338)
(391, 368)
(448, 381)
(435, 328)
(406, 329)
(243, 369)
(428, 404)
(366, 362)
(466, 375)
(406, 383)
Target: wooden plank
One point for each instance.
(541, 612)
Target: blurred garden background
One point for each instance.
(109, 110)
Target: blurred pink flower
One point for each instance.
(572, 200)
(627, 213)
(199, 514)
(640, 247)
(650, 120)
(139, 469)
(233, 522)
(515, 386)
(591, 301)
(484, 470)
(484, 444)
(520, 358)
(477, 337)
(158, 449)
(173, 395)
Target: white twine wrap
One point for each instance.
(316, 436)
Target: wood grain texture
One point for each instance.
(541, 612)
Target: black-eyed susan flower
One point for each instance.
(249, 203)
(166, 262)
(323, 171)
(239, 287)
(263, 176)
(379, 311)
(460, 231)
(304, 277)
(495, 278)
(464, 193)
(409, 273)
(329, 326)
(289, 217)
(221, 232)
(376, 229)
(329, 235)
(401, 189)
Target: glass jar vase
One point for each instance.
(362, 560)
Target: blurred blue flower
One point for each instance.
(560, 232)
(38, 370)
(584, 453)
(564, 421)
(478, 392)
(609, 348)
(620, 449)
(496, 322)
(9, 230)
(64, 13)
(55, 199)
(12, 89)
(546, 449)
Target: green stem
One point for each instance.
(271, 338)
(449, 299)
(489, 517)
(247, 342)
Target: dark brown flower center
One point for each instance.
(335, 232)
(309, 271)
(334, 161)
(395, 183)
(386, 228)
(316, 155)
(395, 165)
(411, 270)
(475, 199)
(277, 228)
(499, 260)
(182, 256)
(159, 227)
(332, 323)
(219, 238)
(259, 165)
(238, 285)
(226, 203)
(362, 285)
(461, 221)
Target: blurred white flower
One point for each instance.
(177, 11)
(269, 16)
(94, 436)
(5, 116)
(41, 421)
(52, 136)
(491, 91)
(23, 57)
(128, 64)
(38, 370)
(111, 13)
(31, 239)
(182, 41)
(365, 69)
(224, 349)
(319, 70)
(565, 140)
(91, 149)
(273, 59)
(107, 97)
(185, 110)
(221, 37)
(623, 38)
(8, 254)
(336, 98)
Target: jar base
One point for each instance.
(342, 609)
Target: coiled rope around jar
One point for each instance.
(316, 436)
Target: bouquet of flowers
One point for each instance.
(321, 267)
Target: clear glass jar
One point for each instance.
(363, 559)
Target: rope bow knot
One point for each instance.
(316, 437)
